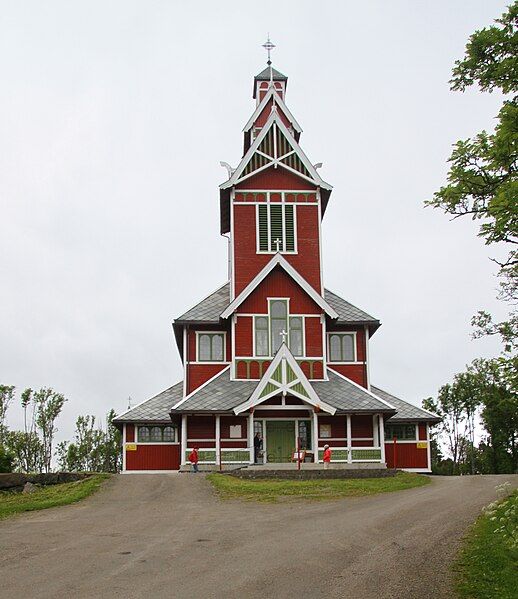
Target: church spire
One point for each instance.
(269, 77)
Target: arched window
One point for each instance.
(342, 347)
(156, 434)
(211, 347)
(278, 322)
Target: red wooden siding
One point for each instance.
(130, 433)
(338, 427)
(244, 337)
(422, 432)
(201, 373)
(227, 421)
(278, 178)
(313, 332)
(153, 457)
(201, 427)
(361, 426)
(408, 456)
(279, 284)
(355, 372)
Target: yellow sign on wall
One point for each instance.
(131, 447)
(422, 445)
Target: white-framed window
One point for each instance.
(342, 347)
(157, 434)
(268, 329)
(276, 228)
(402, 432)
(210, 346)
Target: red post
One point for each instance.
(298, 453)
(395, 452)
(220, 466)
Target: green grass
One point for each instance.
(269, 490)
(487, 567)
(50, 496)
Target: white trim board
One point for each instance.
(279, 260)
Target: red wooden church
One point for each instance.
(272, 351)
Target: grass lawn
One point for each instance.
(268, 490)
(50, 496)
(487, 567)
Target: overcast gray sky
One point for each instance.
(113, 119)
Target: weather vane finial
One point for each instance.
(268, 46)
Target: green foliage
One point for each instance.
(482, 180)
(271, 490)
(49, 496)
(6, 397)
(27, 449)
(6, 460)
(487, 565)
(93, 449)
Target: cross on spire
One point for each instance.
(268, 46)
(283, 334)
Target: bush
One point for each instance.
(6, 460)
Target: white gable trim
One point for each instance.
(274, 118)
(279, 260)
(284, 354)
(362, 388)
(262, 106)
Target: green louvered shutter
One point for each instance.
(290, 228)
(275, 226)
(263, 228)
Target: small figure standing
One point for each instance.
(193, 458)
(258, 445)
(327, 456)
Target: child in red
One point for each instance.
(327, 456)
(193, 458)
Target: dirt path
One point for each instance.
(161, 536)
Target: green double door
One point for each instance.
(280, 440)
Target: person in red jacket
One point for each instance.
(193, 458)
(327, 456)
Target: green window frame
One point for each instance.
(157, 434)
(278, 322)
(262, 336)
(342, 347)
(296, 336)
(276, 221)
(210, 347)
(402, 432)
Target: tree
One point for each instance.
(482, 181)
(6, 397)
(27, 451)
(46, 407)
(93, 450)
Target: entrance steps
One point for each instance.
(314, 471)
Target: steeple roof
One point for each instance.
(269, 74)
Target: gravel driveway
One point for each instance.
(155, 536)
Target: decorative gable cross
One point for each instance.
(277, 243)
(283, 334)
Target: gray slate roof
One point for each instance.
(209, 309)
(405, 410)
(265, 75)
(346, 311)
(155, 409)
(221, 394)
(346, 396)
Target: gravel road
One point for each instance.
(168, 536)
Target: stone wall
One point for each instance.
(15, 481)
(312, 474)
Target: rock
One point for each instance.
(29, 488)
